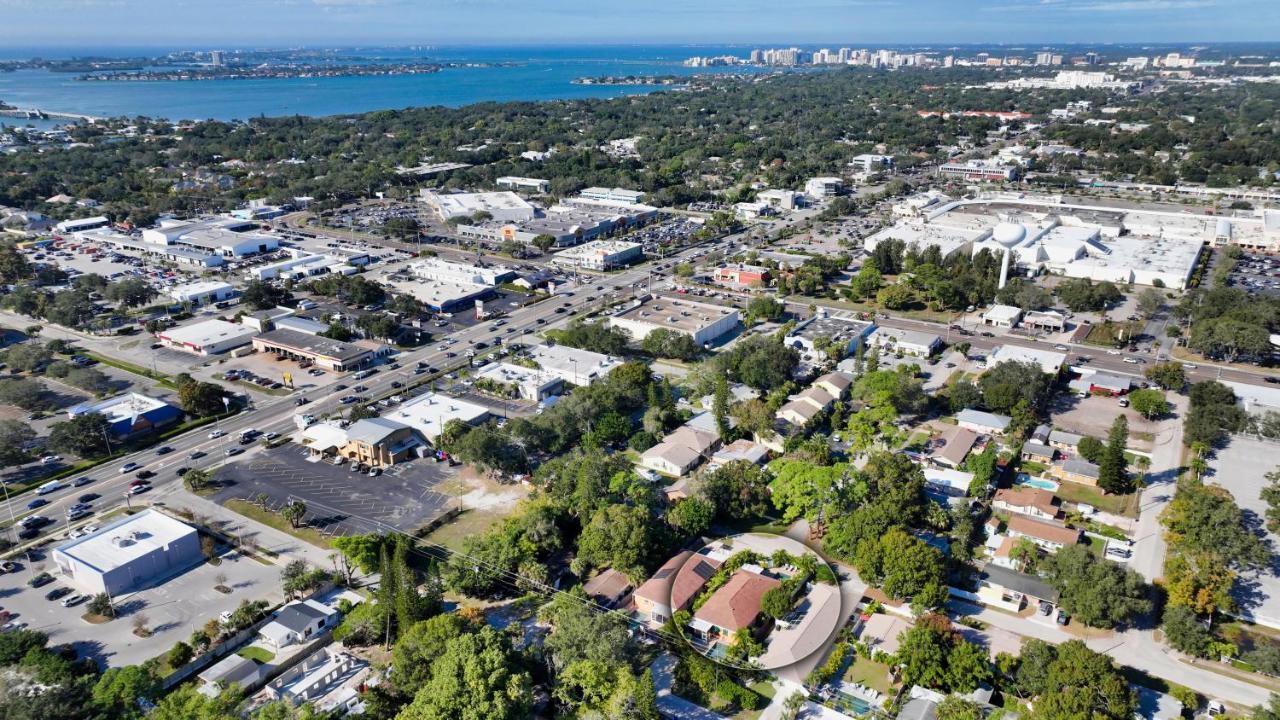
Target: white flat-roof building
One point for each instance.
(209, 337)
(518, 381)
(908, 342)
(504, 205)
(600, 255)
(572, 365)
(302, 265)
(204, 292)
(780, 199)
(429, 413)
(612, 194)
(172, 253)
(130, 413)
(821, 187)
(869, 163)
(226, 237)
(1049, 361)
(1005, 316)
(703, 322)
(461, 273)
(978, 170)
(537, 185)
(129, 553)
(67, 227)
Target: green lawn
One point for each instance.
(1126, 505)
(1108, 334)
(270, 519)
(470, 523)
(257, 654)
(869, 674)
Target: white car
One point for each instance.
(1113, 351)
(216, 434)
(1131, 361)
(50, 459)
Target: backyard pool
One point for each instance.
(852, 704)
(1043, 484)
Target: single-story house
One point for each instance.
(231, 670)
(1048, 535)
(907, 342)
(1038, 452)
(1101, 383)
(1025, 500)
(740, 449)
(1066, 441)
(608, 588)
(955, 444)
(952, 483)
(1012, 590)
(806, 405)
(835, 383)
(298, 622)
(983, 423)
(1076, 470)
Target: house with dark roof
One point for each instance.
(298, 622)
(953, 446)
(1003, 587)
(1076, 470)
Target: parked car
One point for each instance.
(42, 579)
(50, 459)
(57, 593)
(75, 599)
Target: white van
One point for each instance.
(49, 487)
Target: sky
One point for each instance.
(276, 23)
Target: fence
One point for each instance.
(217, 652)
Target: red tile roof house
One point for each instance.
(673, 586)
(736, 605)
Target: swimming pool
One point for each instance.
(1043, 484)
(852, 703)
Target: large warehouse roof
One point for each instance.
(125, 540)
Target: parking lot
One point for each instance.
(1257, 273)
(1093, 416)
(340, 501)
(1240, 467)
(668, 234)
(172, 609)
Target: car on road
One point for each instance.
(88, 497)
(359, 388)
(182, 471)
(301, 400)
(232, 451)
(57, 593)
(339, 386)
(1132, 360)
(216, 434)
(145, 474)
(138, 482)
(271, 436)
(43, 578)
(1113, 351)
(559, 310)
(451, 354)
(164, 450)
(1060, 347)
(81, 482)
(1189, 366)
(38, 502)
(34, 521)
(28, 533)
(74, 514)
(128, 468)
(138, 489)
(1271, 379)
(195, 455)
(397, 384)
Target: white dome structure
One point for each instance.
(1009, 234)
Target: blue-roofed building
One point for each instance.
(131, 414)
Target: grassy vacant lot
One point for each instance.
(1109, 334)
(468, 524)
(1126, 505)
(270, 519)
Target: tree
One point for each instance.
(616, 537)
(1149, 403)
(764, 307)
(896, 296)
(119, 689)
(294, 512)
(299, 578)
(14, 436)
(202, 399)
(954, 707)
(361, 550)
(1008, 382)
(963, 394)
(544, 242)
(473, 678)
(1149, 302)
(83, 435)
(1082, 683)
(1091, 448)
(197, 479)
(1213, 414)
(594, 336)
(691, 515)
(665, 343)
(738, 490)
(27, 357)
(262, 295)
(130, 292)
(26, 393)
(100, 604)
(180, 654)
(1184, 631)
(89, 379)
(1097, 592)
(1113, 473)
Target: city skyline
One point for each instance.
(98, 24)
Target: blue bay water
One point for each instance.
(528, 73)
